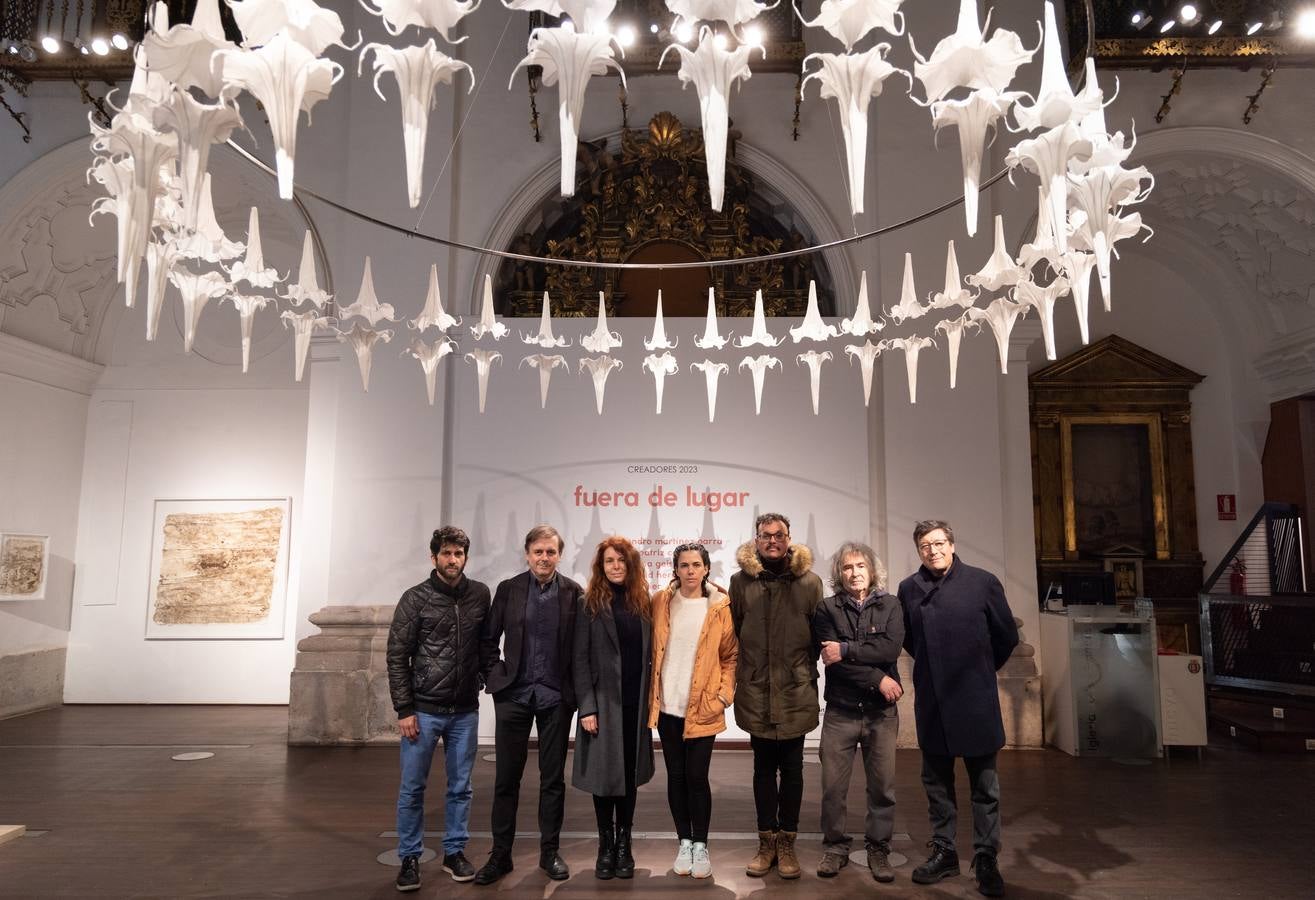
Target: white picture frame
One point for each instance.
(21, 551)
(206, 581)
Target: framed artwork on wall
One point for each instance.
(218, 569)
(24, 564)
(1127, 578)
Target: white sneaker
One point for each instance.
(702, 867)
(684, 858)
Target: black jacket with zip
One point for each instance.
(433, 647)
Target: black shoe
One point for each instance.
(409, 878)
(989, 882)
(494, 869)
(459, 867)
(605, 866)
(625, 858)
(943, 863)
(555, 866)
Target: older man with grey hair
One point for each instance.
(861, 631)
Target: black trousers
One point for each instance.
(778, 803)
(942, 808)
(688, 792)
(620, 811)
(511, 743)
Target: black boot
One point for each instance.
(605, 867)
(625, 859)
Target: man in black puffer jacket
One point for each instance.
(434, 678)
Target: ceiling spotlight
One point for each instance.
(49, 44)
(1139, 18)
(81, 46)
(27, 53)
(625, 36)
(1215, 25)
(685, 33)
(653, 29)
(1305, 24)
(100, 46)
(11, 47)
(1254, 27)
(1168, 23)
(1188, 14)
(119, 41)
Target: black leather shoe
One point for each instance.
(605, 865)
(409, 878)
(943, 863)
(459, 867)
(494, 869)
(555, 866)
(625, 858)
(989, 882)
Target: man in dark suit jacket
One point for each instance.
(531, 684)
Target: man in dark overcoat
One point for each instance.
(959, 630)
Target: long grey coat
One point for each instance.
(599, 759)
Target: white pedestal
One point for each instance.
(1182, 701)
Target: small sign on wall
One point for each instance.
(1226, 505)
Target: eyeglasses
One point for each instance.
(929, 546)
(779, 537)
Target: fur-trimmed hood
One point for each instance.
(801, 559)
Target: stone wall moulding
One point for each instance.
(33, 362)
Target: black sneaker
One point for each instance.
(409, 878)
(943, 863)
(494, 869)
(989, 882)
(459, 867)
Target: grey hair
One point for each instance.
(850, 548)
(927, 526)
(539, 532)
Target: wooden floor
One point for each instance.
(260, 819)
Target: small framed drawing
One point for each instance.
(1127, 578)
(218, 569)
(24, 563)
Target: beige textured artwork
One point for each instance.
(22, 565)
(218, 568)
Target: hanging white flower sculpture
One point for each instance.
(1000, 270)
(848, 21)
(197, 126)
(758, 334)
(303, 325)
(813, 328)
(545, 364)
(184, 53)
(861, 324)
(1099, 238)
(866, 356)
(307, 289)
(362, 340)
(488, 323)
(954, 294)
(545, 337)
(304, 21)
(589, 15)
(196, 291)
(973, 117)
(430, 355)
(1055, 102)
(1042, 298)
(908, 306)
(912, 347)
(659, 339)
(247, 305)
(599, 368)
(367, 304)
(433, 316)
(483, 361)
(953, 330)
(251, 267)
(660, 367)
(733, 12)
(601, 340)
(440, 15)
(967, 59)
(814, 359)
(208, 243)
(1077, 267)
(711, 339)
(160, 259)
(1047, 156)
(712, 371)
(1000, 315)
(759, 365)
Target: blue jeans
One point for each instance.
(460, 734)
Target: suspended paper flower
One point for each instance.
(912, 347)
(954, 294)
(1077, 268)
(430, 355)
(488, 323)
(1056, 103)
(1106, 149)
(440, 15)
(953, 330)
(713, 71)
(196, 291)
(545, 364)
(483, 360)
(208, 243)
(148, 88)
(246, 306)
(711, 372)
(160, 258)
(732, 12)
(197, 125)
(433, 316)
(813, 328)
(307, 288)
(1100, 237)
(1047, 156)
(568, 59)
(362, 340)
(1043, 299)
(852, 80)
(712, 339)
(183, 54)
(1042, 247)
(908, 306)
(1000, 315)
(545, 337)
(367, 304)
(304, 21)
(303, 326)
(967, 59)
(759, 333)
(589, 15)
(599, 367)
(759, 365)
(601, 340)
(660, 367)
(813, 359)
(659, 339)
(865, 355)
(849, 21)
(418, 71)
(1000, 270)
(286, 79)
(862, 322)
(973, 117)
(251, 268)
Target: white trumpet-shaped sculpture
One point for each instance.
(908, 306)
(429, 356)
(852, 80)
(758, 334)
(183, 53)
(160, 258)
(1042, 298)
(1106, 149)
(545, 364)
(660, 367)
(304, 21)
(659, 339)
(1055, 102)
(251, 267)
(440, 15)
(568, 58)
(483, 360)
(974, 117)
(601, 340)
(912, 347)
(286, 79)
(1001, 315)
(247, 305)
(599, 368)
(813, 328)
(1047, 156)
(433, 315)
(307, 289)
(196, 291)
(545, 337)
(303, 325)
(1100, 236)
(848, 21)
(866, 356)
(732, 12)
(418, 71)
(953, 330)
(862, 323)
(711, 372)
(758, 366)
(208, 243)
(198, 126)
(712, 70)
(954, 294)
(367, 305)
(1000, 270)
(590, 15)
(362, 340)
(711, 339)
(813, 359)
(967, 59)
(488, 323)
(1077, 268)
(1042, 247)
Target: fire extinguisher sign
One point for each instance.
(1226, 504)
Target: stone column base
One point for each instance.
(339, 690)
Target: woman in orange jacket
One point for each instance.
(694, 653)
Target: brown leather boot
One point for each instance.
(787, 866)
(762, 863)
